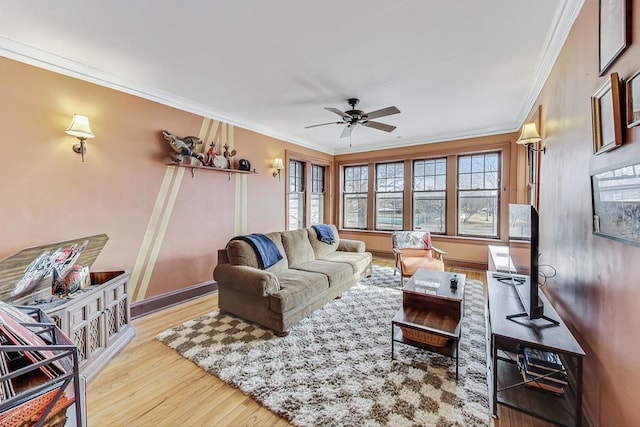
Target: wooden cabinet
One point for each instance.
(97, 319)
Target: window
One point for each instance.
(478, 190)
(316, 202)
(450, 193)
(389, 200)
(307, 181)
(429, 195)
(519, 222)
(356, 188)
(296, 195)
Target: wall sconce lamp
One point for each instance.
(530, 136)
(278, 166)
(81, 129)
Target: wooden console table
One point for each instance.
(433, 310)
(506, 340)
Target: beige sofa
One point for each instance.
(310, 274)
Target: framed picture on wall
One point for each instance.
(616, 205)
(606, 116)
(633, 100)
(614, 31)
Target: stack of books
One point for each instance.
(543, 370)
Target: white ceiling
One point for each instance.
(455, 69)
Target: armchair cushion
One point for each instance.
(411, 239)
(410, 265)
(413, 250)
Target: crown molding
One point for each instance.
(565, 16)
(57, 64)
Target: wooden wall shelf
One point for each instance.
(194, 168)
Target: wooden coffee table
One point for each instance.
(431, 314)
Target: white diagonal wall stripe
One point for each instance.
(157, 226)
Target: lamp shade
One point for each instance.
(529, 134)
(80, 127)
(277, 164)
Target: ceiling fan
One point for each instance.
(354, 117)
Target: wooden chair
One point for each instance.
(413, 250)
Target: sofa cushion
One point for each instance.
(337, 272)
(297, 288)
(359, 261)
(322, 249)
(297, 247)
(241, 252)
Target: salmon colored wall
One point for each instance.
(163, 224)
(596, 288)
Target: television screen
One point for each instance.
(523, 225)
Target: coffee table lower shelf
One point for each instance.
(450, 349)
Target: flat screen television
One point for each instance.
(524, 221)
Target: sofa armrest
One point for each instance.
(348, 245)
(246, 279)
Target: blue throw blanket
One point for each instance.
(325, 233)
(266, 250)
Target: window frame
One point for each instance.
(484, 188)
(435, 161)
(510, 166)
(344, 194)
(296, 174)
(318, 193)
(398, 191)
(307, 163)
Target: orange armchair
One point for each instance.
(413, 250)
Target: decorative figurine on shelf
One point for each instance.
(229, 155)
(211, 154)
(183, 147)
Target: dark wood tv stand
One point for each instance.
(505, 341)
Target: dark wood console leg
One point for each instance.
(339, 296)
(392, 344)
(281, 334)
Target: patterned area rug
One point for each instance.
(335, 367)
(384, 277)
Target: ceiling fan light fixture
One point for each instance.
(353, 117)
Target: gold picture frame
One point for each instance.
(606, 116)
(616, 210)
(614, 31)
(633, 100)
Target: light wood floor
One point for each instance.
(148, 384)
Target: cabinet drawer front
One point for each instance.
(115, 293)
(84, 312)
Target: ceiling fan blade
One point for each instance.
(338, 112)
(323, 124)
(383, 112)
(379, 126)
(346, 131)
